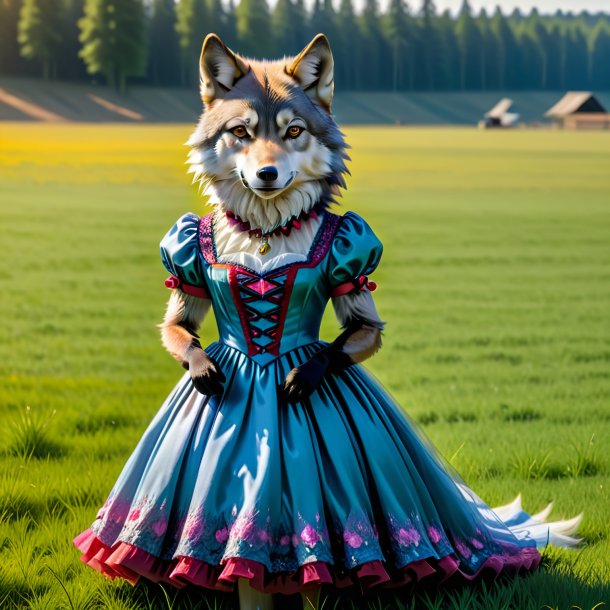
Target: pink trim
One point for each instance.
(206, 244)
(173, 281)
(132, 563)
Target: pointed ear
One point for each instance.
(313, 69)
(219, 69)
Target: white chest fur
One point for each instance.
(236, 246)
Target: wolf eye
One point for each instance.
(240, 131)
(294, 132)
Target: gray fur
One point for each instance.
(265, 89)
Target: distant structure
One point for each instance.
(579, 110)
(499, 115)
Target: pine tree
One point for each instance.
(469, 43)
(488, 52)
(447, 53)
(253, 28)
(217, 19)
(39, 34)
(501, 32)
(285, 24)
(71, 66)
(348, 68)
(599, 46)
(113, 39)
(163, 50)
(191, 23)
(231, 25)
(10, 59)
(398, 34)
(374, 52)
(539, 37)
(428, 37)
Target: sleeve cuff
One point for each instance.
(358, 284)
(173, 282)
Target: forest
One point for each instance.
(404, 47)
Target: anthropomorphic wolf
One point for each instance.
(277, 464)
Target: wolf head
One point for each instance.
(266, 146)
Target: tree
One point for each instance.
(539, 37)
(39, 34)
(113, 39)
(10, 58)
(163, 49)
(428, 38)
(599, 71)
(191, 20)
(397, 30)
(504, 43)
(375, 51)
(253, 28)
(348, 70)
(71, 66)
(285, 24)
(447, 53)
(469, 44)
(488, 52)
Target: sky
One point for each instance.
(544, 6)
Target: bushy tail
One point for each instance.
(523, 525)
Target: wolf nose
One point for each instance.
(267, 173)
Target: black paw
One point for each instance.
(296, 387)
(304, 379)
(205, 374)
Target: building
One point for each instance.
(579, 110)
(499, 115)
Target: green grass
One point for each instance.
(495, 285)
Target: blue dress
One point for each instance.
(341, 488)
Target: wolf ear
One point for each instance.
(313, 69)
(219, 69)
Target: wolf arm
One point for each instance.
(360, 339)
(183, 317)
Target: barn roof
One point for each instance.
(575, 101)
(500, 109)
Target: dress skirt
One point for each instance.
(341, 489)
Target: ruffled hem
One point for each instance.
(132, 563)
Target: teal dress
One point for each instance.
(340, 488)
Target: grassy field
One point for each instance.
(495, 285)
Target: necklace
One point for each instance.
(294, 223)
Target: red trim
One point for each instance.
(317, 252)
(243, 316)
(357, 285)
(132, 563)
(173, 282)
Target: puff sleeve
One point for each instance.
(181, 256)
(355, 253)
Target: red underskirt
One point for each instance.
(132, 563)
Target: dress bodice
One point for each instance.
(268, 313)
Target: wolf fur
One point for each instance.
(259, 114)
(264, 100)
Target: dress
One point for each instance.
(341, 488)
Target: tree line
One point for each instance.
(403, 48)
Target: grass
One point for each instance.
(494, 285)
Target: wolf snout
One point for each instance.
(268, 173)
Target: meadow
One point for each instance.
(495, 285)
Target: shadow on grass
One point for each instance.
(555, 586)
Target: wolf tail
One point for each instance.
(536, 527)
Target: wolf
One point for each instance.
(267, 152)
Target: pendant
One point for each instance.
(265, 247)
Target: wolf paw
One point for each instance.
(205, 373)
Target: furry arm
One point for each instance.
(360, 339)
(179, 336)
